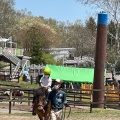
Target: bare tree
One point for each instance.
(7, 17)
(112, 7)
(80, 37)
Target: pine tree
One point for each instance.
(36, 53)
(36, 50)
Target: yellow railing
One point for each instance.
(109, 95)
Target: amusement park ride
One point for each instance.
(14, 56)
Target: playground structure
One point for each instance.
(14, 56)
(19, 63)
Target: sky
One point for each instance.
(60, 10)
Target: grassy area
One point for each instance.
(97, 114)
(83, 114)
(22, 84)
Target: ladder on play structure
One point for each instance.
(15, 60)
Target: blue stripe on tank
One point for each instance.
(103, 18)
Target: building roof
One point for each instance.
(108, 75)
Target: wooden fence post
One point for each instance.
(80, 94)
(105, 100)
(10, 98)
(31, 78)
(29, 98)
(119, 96)
(74, 97)
(91, 100)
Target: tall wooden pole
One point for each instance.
(100, 56)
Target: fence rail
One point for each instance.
(12, 99)
(75, 97)
(85, 97)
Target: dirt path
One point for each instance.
(21, 112)
(13, 117)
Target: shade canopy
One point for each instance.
(72, 74)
